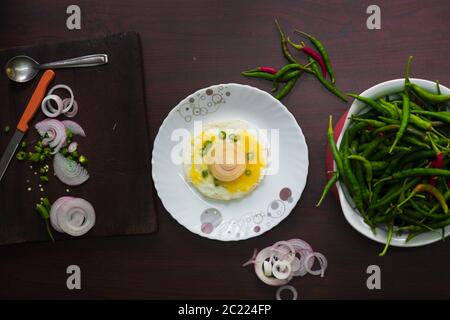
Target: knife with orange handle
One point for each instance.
(27, 116)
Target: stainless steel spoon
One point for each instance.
(23, 68)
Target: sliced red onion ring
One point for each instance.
(267, 268)
(68, 171)
(72, 112)
(299, 245)
(262, 256)
(55, 131)
(63, 86)
(48, 109)
(323, 264)
(290, 288)
(73, 216)
(282, 269)
(72, 147)
(285, 248)
(54, 209)
(74, 127)
(302, 270)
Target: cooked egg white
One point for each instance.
(228, 160)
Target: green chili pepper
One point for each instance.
(392, 110)
(431, 190)
(328, 187)
(444, 116)
(367, 166)
(389, 239)
(43, 212)
(46, 203)
(417, 172)
(371, 146)
(294, 75)
(284, 47)
(271, 77)
(404, 122)
(371, 103)
(371, 122)
(222, 135)
(389, 197)
(428, 96)
(347, 173)
(379, 165)
(286, 89)
(43, 179)
(291, 67)
(205, 173)
(23, 144)
(334, 150)
(393, 127)
(328, 85)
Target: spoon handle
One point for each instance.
(85, 61)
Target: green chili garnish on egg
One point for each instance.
(222, 135)
(205, 173)
(21, 155)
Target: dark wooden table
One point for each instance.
(188, 45)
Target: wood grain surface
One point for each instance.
(112, 112)
(188, 45)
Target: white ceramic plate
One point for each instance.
(352, 216)
(270, 202)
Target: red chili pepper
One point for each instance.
(437, 163)
(266, 69)
(312, 53)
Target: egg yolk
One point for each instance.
(248, 176)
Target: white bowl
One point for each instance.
(352, 216)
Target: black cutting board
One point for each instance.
(113, 113)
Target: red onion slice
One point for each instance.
(290, 288)
(282, 269)
(69, 171)
(74, 127)
(262, 256)
(72, 112)
(63, 86)
(323, 264)
(48, 109)
(299, 245)
(267, 268)
(72, 147)
(285, 248)
(74, 216)
(55, 131)
(54, 210)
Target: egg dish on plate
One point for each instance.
(228, 160)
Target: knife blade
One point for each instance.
(22, 127)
